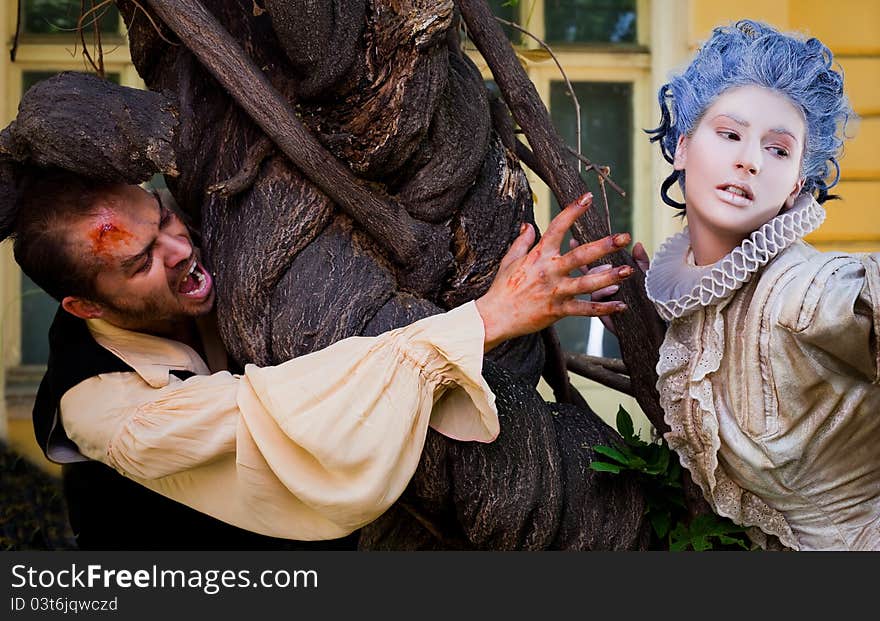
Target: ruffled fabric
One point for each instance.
(693, 351)
(688, 402)
(677, 287)
(309, 449)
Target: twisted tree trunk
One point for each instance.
(391, 193)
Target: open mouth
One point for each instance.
(735, 193)
(196, 283)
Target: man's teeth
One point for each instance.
(197, 273)
(199, 278)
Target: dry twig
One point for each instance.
(592, 367)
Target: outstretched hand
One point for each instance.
(639, 255)
(533, 289)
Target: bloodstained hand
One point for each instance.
(639, 255)
(533, 288)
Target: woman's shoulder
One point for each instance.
(828, 302)
(802, 271)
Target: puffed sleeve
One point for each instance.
(310, 449)
(147, 432)
(831, 304)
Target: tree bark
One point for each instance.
(393, 195)
(640, 330)
(410, 243)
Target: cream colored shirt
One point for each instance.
(310, 449)
(770, 382)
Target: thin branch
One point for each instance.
(96, 25)
(605, 203)
(152, 21)
(14, 49)
(599, 374)
(98, 44)
(406, 239)
(528, 158)
(554, 366)
(246, 175)
(568, 85)
(612, 364)
(600, 170)
(640, 330)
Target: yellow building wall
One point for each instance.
(851, 29)
(34, 53)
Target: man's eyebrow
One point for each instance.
(131, 261)
(744, 123)
(135, 258)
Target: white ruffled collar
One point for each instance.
(677, 287)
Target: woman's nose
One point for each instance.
(749, 159)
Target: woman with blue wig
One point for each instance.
(768, 374)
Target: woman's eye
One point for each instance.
(728, 135)
(779, 151)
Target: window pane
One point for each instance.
(61, 17)
(504, 9)
(37, 311)
(606, 139)
(590, 21)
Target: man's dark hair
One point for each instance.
(49, 200)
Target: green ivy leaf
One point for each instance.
(679, 538)
(660, 522)
(733, 541)
(661, 473)
(624, 424)
(601, 466)
(613, 453)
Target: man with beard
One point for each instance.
(165, 446)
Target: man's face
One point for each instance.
(742, 162)
(148, 271)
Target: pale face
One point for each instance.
(149, 273)
(742, 167)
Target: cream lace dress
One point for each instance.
(768, 377)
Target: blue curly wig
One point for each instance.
(752, 53)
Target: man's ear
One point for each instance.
(679, 161)
(81, 308)
(789, 202)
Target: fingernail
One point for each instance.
(613, 289)
(620, 306)
(585, 199)
(522, 228)
(621, 239)
(602, 268)
(625, 271)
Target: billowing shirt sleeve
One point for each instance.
(831, 305)
(310, 449)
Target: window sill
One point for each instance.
(23, 381)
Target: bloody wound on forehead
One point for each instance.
(106, 237)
